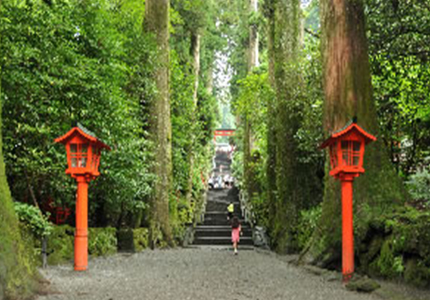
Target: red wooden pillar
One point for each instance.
(347, 227)
(81, 234)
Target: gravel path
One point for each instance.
(201, 274)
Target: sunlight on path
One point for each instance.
(193, 274)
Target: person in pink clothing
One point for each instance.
(236, 231)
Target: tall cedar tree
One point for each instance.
(271, 112)
(295, 181)
(157, 23)
(348, 93)
(248, 140)
(195, 63)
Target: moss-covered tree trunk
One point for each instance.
(271, 112)
(253, 37)
(195, 55)
(348, 93)
(157, 23)
(248, 137)
(294, 180)
(17, 273)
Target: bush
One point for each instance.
(419, 186)
(141, 239)
(102, 241)
(33, 219)
(307, 224)
(60, 245)
(398, 245)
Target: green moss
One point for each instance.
(386, 260)
(373, 250)
(417, 273)
(102, 241)
(141, 241)
(362, 284)
(398, 245)
(17, 269)
(60, 245)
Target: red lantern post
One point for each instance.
(83, 158)
(346, 159)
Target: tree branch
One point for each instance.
(314, 34)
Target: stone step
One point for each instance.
(221, 241)
(220, 227)
(217, 221)
(220, 216)
(220, 207)
(220, 232)
(221, 247)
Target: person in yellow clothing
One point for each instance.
(230, 210)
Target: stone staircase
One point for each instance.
(215, 231)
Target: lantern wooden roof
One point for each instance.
(79, 129)
(348, 128)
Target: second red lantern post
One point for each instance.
(346, 159)
(83, 159)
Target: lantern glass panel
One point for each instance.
(82, 162)
(350, 153)
(78, 155)
(83, 158)
(345, 153)
(94, 158)
(356, 153)
(333, 155)
(73, 154)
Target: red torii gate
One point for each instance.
(223, 132)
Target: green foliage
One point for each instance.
(387, 264)
(399, 53)
(307, 224)
(182, 115)
(33, 219)
(60, 245)
(141, 237)
(192, 126)
(237, 168)
(419, 186)
(251, 104)
(417, 273)
(295, 116)
(76, 61)
(397, 246)
(102, 241)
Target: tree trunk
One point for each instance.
(157, 23)
(271, 122)
(348, 93)
(195, 53)
(248, 140)
(291, 177)
(253, 38)
(210, 80)
(16, 270)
